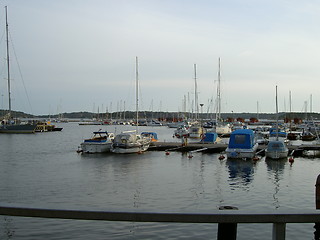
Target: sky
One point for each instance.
(80, 55)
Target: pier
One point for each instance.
(295, 150)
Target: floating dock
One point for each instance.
(297, 150)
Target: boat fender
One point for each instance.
(291, 160)
(221, 157)
(167, 153)
(255, 158)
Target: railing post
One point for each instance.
(317, 225)
(279, 231)
(227, 230)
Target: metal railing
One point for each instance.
(227, 220)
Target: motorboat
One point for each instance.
(276, 149)
(223, 129)
(181, 131)
(307, 136)
(152, 135)
(130, 142)
(210, 137)
(242, 144)
(100, 142)
(196, 131)
(154, 123)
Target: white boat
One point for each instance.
(175, 124)
(181, 131)
(242, 144)
(196, 131)
(154, 123)
(277, 148)
(99, 143)
(223, 130)
(130, 142)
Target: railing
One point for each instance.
(227, 220)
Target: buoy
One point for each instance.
(167, 153)
(255, 158)
(291, 160)
(190, 156)
(221, 157)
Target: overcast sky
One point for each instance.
(79, 55)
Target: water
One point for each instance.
(43, 170)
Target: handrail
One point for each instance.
(227, 220)
(230, 216)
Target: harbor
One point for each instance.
(50, 174)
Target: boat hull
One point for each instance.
(92, 147)
(18, 128)
(241, 153)
(276, 154)
(129, 148)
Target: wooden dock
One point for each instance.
(297, 150)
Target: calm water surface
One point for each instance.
(43, 170)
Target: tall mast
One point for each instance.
(137, 92)
(196, 109)
(218, 114)
(290, 109)
(8, 62)
(277, 126)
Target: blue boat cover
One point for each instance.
(153, 134)
(242, 138)
(210, 137)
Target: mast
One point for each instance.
(277, 126)
(137, 94)
(290, 110)
(218, 112)
(8, 62)
(196, 109)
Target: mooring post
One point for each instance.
(317, 225)
(227, 230)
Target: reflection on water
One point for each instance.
(241, 172)
(275, 170)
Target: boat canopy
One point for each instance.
(125, 138)
(210, 137)
(151, 134)
(276, 146)
(273, 133)
(242, 138)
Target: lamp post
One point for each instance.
(201, 105)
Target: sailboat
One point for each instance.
(8, 124)
(131, 141)
(196, 129)
(221, 129)
(276, 149)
